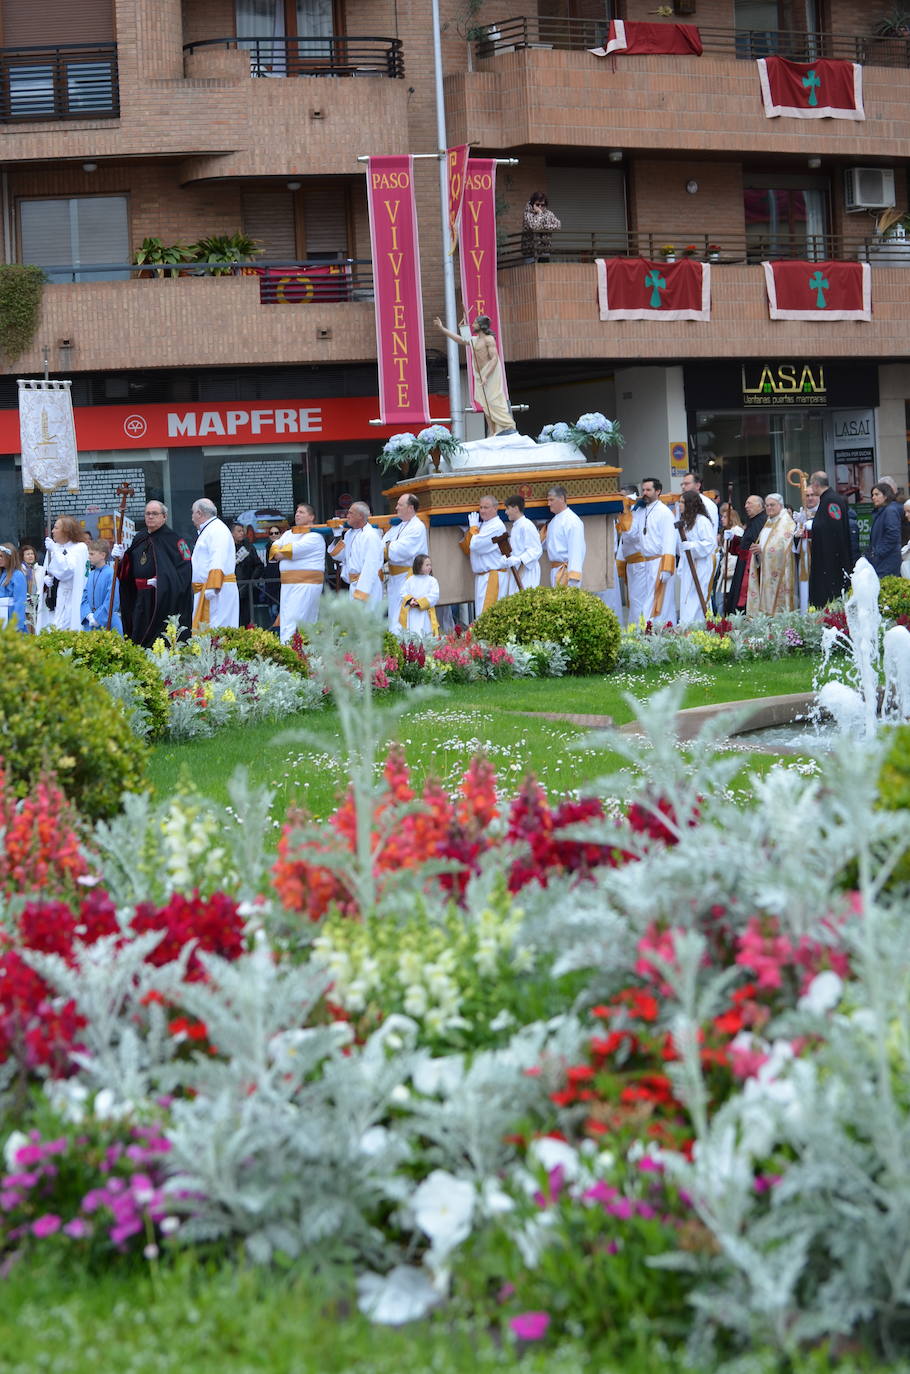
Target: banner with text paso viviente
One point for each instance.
(639, 289)
(456, 167)
(47, 436)
(477, 254)
(825, 291)
(403, 398)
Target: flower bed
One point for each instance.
(628, 1075)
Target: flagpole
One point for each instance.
(453, 358)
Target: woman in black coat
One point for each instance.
(884, 551)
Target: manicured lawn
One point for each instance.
(441, 736)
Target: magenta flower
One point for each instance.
(530, 1326)
(46, 1225)
(77, 1228)
(9, 1200)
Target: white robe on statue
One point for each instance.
(487, 563)
(647, 552)
(564, 538)
(217, 601)
(419, 620)
(527, 548)
(402, 545)
(359, 557)
(701, 542)
(301, 564)
(68, 563)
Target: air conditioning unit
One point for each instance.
(868, 188)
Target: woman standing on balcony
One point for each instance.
(539, 223)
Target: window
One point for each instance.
(786, 217)
(284, 37)
(309, 225)
(81, 237)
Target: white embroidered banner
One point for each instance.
(47, 436)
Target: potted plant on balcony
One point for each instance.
(713, 252)
(223, 254)
(668, 252)
(690, 250)
(161, 258)
(896, 24)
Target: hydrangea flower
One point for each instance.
(433, 434)
(399, 441)
(594, 423)
(561, 433)
(545, 434)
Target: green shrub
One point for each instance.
(894, 782)
(578, 620)
(247, 642)
(894, 597)
(103, 653)
(55, 716)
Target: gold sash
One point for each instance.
(216, 579)
(491, 595)
(297, 575)
(424, 605)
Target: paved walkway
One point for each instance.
(761, 713)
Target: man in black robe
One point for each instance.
(742, 547)
(832, 558)
(155, 576)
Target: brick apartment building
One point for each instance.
(131, 119)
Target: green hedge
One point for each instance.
(247, 643)
(55, 717)
(894, 597)
(565, 615)
(894, 783)
(103, 653)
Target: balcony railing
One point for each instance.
(335, 55)
(580, 246)
(280, 283)
(532, 31)
(75, 82)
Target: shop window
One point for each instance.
(80, 238)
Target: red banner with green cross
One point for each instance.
(638, 289)
(819, 291)
(826, 89)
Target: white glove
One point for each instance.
(210, 593)
(152, 582)
(91, 620)
(728, 534)
(49, 544)
(474, 520)
(513, 562)
(665, 576)
(118, 551)
(686, 546)
(504, 565)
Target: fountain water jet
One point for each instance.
(858, 706)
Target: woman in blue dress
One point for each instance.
(12, 588)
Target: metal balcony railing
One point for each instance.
(725, 249)
(280, 283)
(532, 31)
(74, 82)
(334, 55)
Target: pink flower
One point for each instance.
(530, 1326)
(77, 1228)
(46, 1225)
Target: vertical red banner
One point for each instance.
(403, 398)
(477, 253)
(456, 167)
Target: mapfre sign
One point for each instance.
(163, 425)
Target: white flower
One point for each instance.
(555, 1154)
(822, 994)
(443, 1208)
(415, 1000)
(400, 1094)
(14, 1143)
(493, 1201)
(107, 1108)
(404, 1295)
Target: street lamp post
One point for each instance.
(453, 358)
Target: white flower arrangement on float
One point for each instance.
(591, 429)
(406, 448)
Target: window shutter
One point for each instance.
(56, 23)
(45, 232)
(268, 217)
(325, 222)
(588, 199)
(81, 230)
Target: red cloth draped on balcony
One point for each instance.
(295, 285)
(638, 289)
(826, 89)
(819, 290)
(635, 38)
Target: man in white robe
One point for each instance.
(564, 539)
(647, 558)
(487, 560)
(358, 554)
(802, 546)
(300, 555)
(402, 544)
(524, 560)
(214, 579)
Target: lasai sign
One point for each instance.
(778, 385)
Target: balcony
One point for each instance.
(335, 55)
(535, 85)
(550, 312)
(580, 35)
(724, 249)
(124, 316)
(76, 82)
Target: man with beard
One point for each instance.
(155, 575)
(832, 556)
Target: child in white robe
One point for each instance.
(419, 595)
